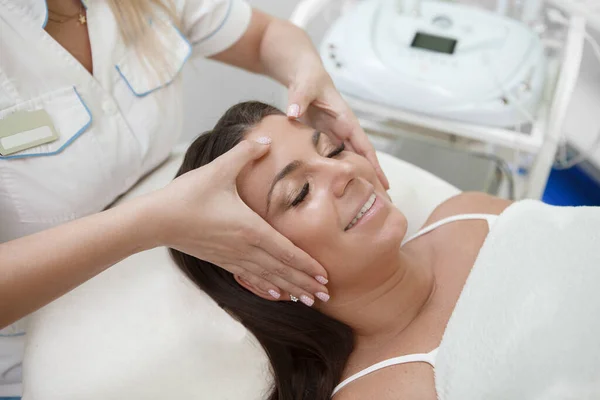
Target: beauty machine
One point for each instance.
(438, 58)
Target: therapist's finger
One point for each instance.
(361, 144)
(306, 297)
(237, 158)
(276, 287)
(286, 254)
(298, 102)
(371, 156)
(287, 278)
(249, 272)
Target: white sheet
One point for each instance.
(527, 325)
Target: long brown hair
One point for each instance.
(307, 349)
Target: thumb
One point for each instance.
(247, 150)
(298, 102)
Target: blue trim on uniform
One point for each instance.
(46, 18)
(218, 28)
(128, 84)
(167, 83)
(67, 143)
(12, 335)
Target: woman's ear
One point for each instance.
(257, 291)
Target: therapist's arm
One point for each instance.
(276, 48)
(281, 50)
(199, 213)
(36, 269)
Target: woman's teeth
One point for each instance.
(363, 210)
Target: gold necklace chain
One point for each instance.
(62, 18)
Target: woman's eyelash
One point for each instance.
(301, 196)
(337, 151)
(306, 188)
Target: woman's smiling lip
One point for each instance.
(377, 205)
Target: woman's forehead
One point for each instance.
(290, 140)
(277, 127)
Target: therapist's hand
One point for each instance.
(200, 213)
(284, 52)
(313, 97)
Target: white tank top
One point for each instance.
(428, 358)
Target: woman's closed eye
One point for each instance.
(305, 190)
(336, 151)
(302, 195)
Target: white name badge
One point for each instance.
(23, 130)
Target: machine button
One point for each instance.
(442, 21)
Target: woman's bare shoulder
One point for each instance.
(469, 203)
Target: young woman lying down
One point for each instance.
(391, 296)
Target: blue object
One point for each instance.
(571, 187)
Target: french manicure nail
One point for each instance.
(293, 110)
(321, 279)
(307, 300)
(275, 293)
(324, 297)
(263, 140)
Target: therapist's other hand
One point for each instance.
(200, 213)
(314, 98)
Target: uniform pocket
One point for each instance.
(58, 181)
(68, 113)
(145, 74)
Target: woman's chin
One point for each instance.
(384, 237)
(394, 230)
(394, 224)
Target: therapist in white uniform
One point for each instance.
(90, 102)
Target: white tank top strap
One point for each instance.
(490, 218)
(428, 358)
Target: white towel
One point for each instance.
(527, 325)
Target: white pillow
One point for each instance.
(141, 330)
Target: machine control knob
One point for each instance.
(442, 21)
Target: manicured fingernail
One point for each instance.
(324, 297)
(275, 293)
(307, 300)
(293, 110)
(263, 140)
(321, 279)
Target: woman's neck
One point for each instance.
(64, 7)
(386, 311)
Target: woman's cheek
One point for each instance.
(313, 229)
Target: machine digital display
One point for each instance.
(434, 43)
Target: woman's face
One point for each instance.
(316, 195)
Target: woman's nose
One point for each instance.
(342, 173)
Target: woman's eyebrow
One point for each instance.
(291, 167)
(288, 169)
